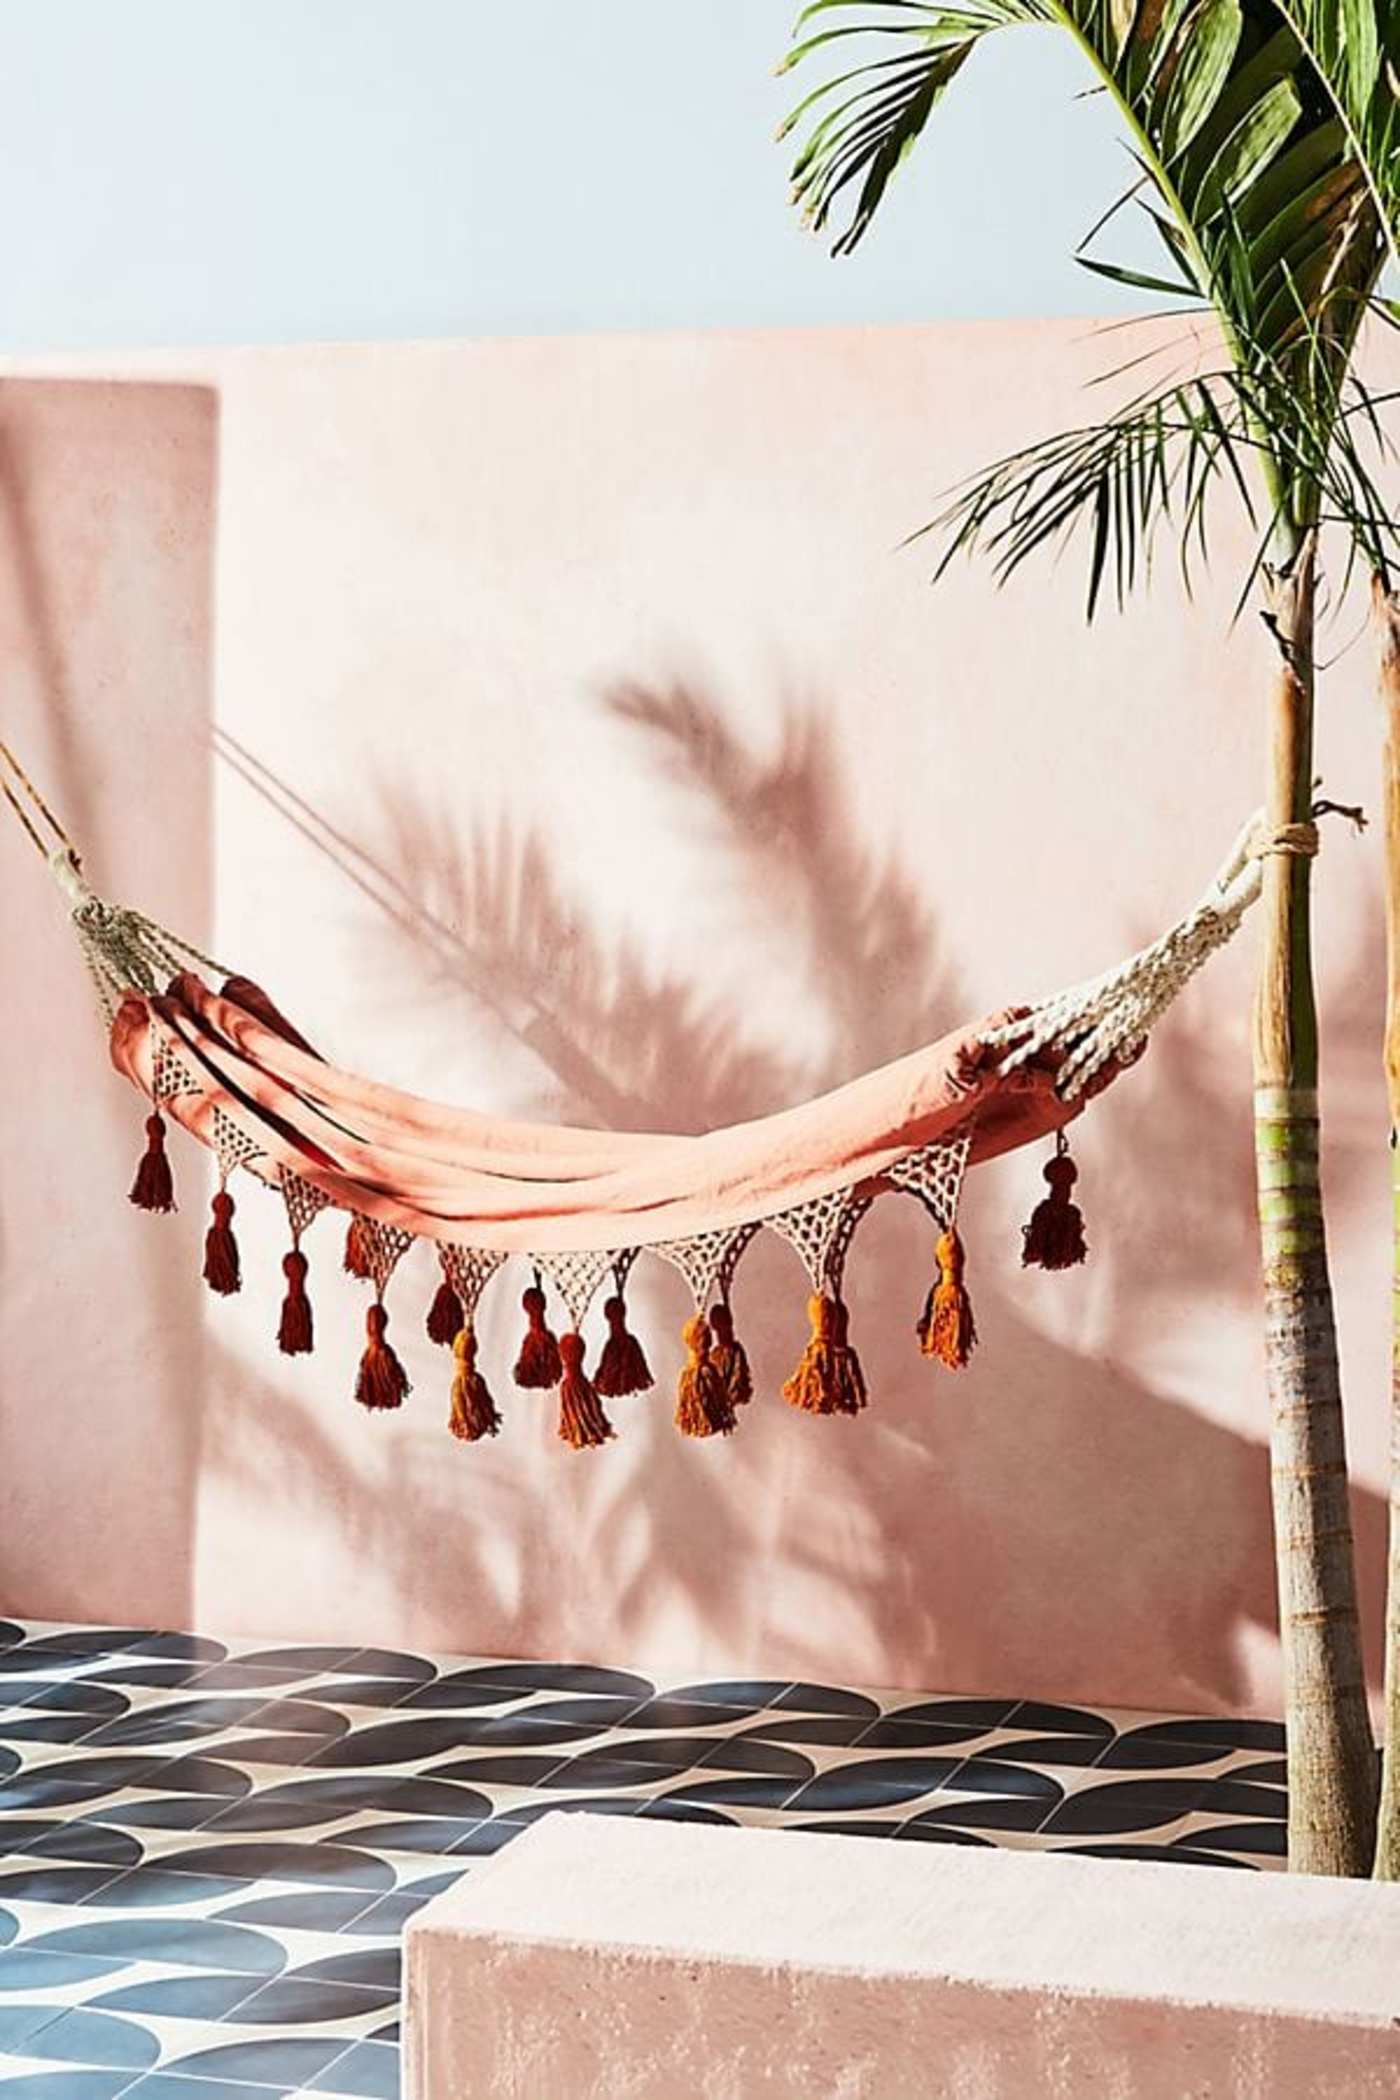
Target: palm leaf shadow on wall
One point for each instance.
(1019, 1523)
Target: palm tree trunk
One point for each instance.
(1331, 1755)
(1388, 615)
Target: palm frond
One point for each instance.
(864, 119)
(1155, 464)
(1353, 47)
(1249, 169)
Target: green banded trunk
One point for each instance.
(1331, 1757)
(1388, 614)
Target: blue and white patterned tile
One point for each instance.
(209, 1848)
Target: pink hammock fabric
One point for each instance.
(454, 1176)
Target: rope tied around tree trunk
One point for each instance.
(1289, 841)
(1301, 841)
(1099, 1026)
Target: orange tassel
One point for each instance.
(294, 1333)
(729, 1356)
(947, 1329)
(221, 1249)
(383, 1381)
(473, 1410)
(445, 1315)
(702, 1404)
(153, 1188)
(582, 1422)
(538, 1365)
(1054, 1239)
(356, 1260)
(622, 1367)
(829, 1379)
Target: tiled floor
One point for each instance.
(208, 1849)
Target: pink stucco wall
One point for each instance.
(572, 738)
(106, 515)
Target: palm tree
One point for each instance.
(1355, 49)
(1388, 617)
(1268, 219)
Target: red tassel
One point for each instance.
(383, 1381)
(1054, 1239)
(702, 1405)
(153, 1188)
(473, 1410)
(221, 1249)
(947, 1329)
(828, 1380)
(356, 1259)
(729, 1356)
(622, 1367)
(582, 1422)
(538, 1365)
(445, 1315)
(294, 1334)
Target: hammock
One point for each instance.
(582, 1205)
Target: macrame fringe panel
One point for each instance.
(716, 1379)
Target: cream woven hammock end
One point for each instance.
(581, 1206)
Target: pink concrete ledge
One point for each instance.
(612, 1958)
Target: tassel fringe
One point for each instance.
(382, 1381)
(221, 1270)
(473, 1410)
(445, 1315)
(153, 1188)
(1054, 1239)
(702, 1404)
(729, 1356)
(716, 1379)
(356, 1259)
(539, 1366)
(294, 1332)
(622, 1367)
(947, 1329)
(829, 1379)
(582, 1422)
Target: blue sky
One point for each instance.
(282, 170)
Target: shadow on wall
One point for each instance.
(107, 499)
(1051, 1523)
(630, 1048)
